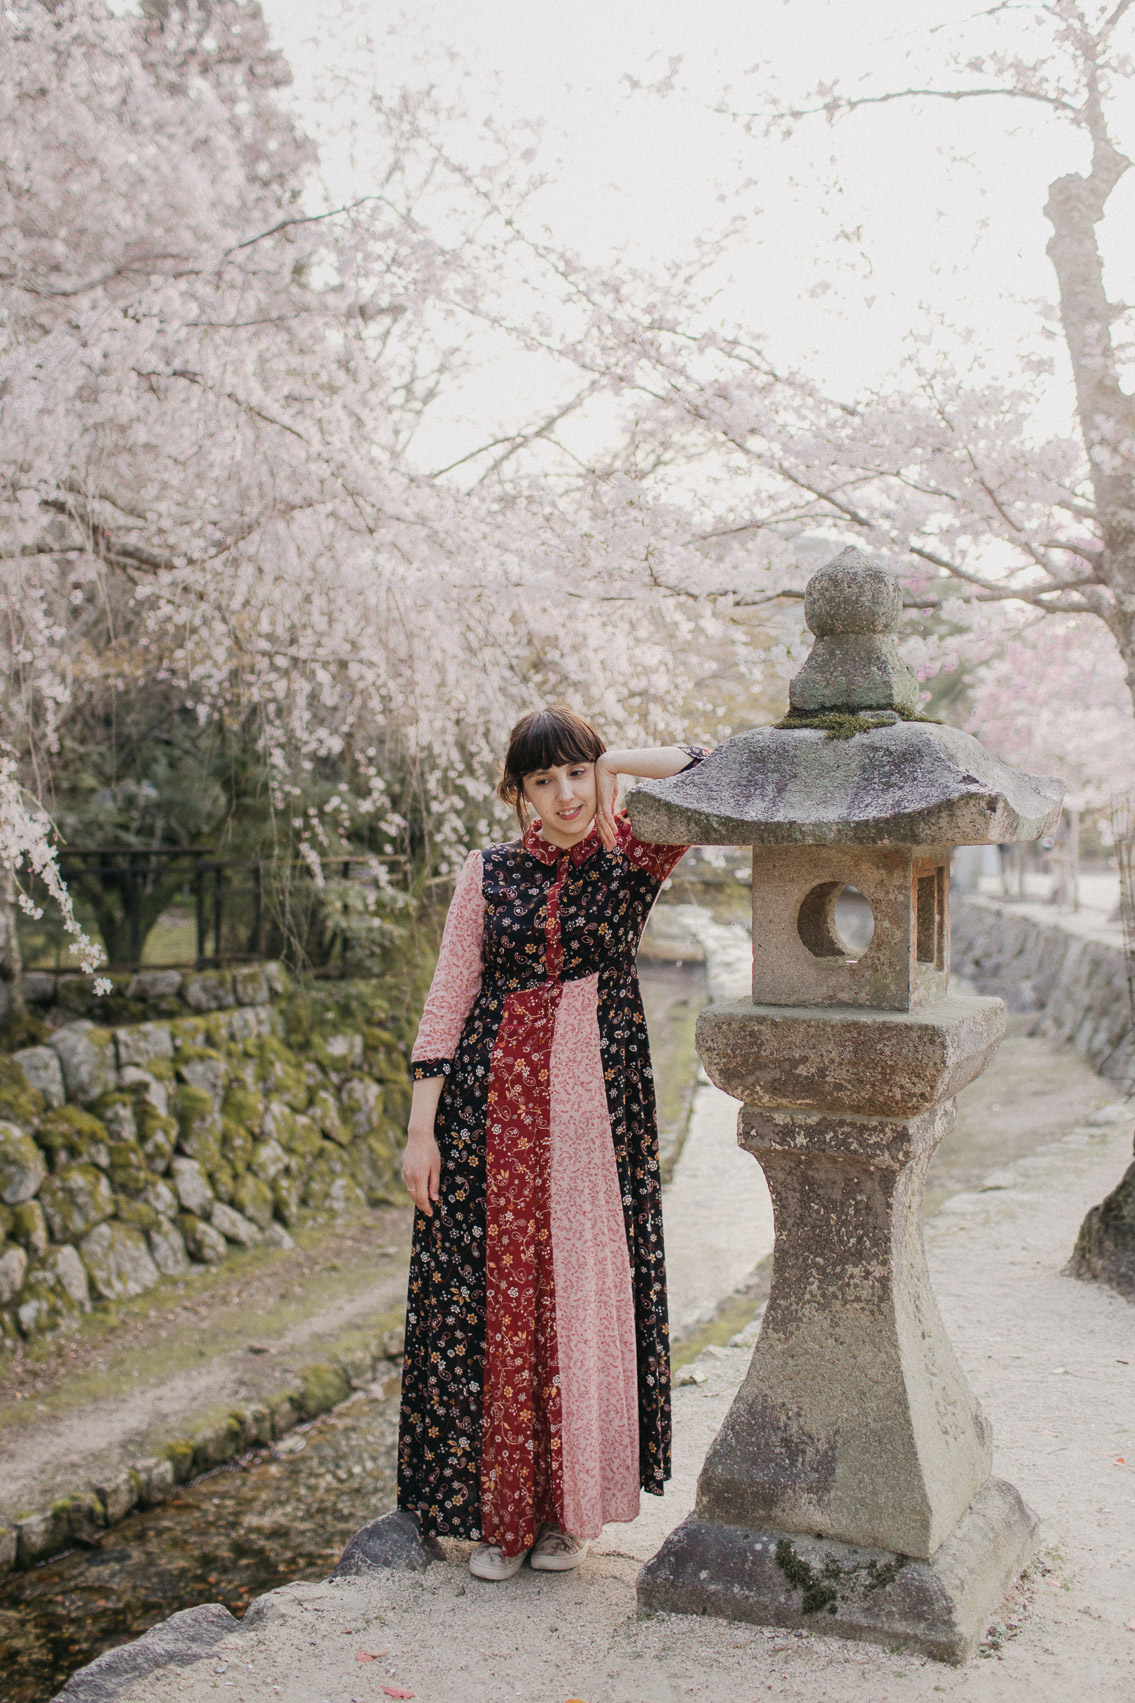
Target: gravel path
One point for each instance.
(1052, 1360)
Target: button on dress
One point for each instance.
(536, 1383)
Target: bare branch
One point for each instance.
(302, 219)
(835, 107)
(517, 440)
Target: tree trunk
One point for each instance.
(1105, 412)
(1105, 1247)
(111, 895)
(11, 964)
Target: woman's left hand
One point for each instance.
(606, 792)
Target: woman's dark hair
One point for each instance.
(543, 739)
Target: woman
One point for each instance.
(535, 1394)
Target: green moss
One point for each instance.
(188, 1032)
(83, 1126)
(108, 1104)
(372, 1160)
(68, 1134)
(20, 1103)
(115, 1008)
(29, 1226)
(880, 1576)
(74, 1200)
(157, 1135)
(129, 1172)
(287, 1197)
(845, 724)
(219, 1443)
(284, 1411)
(217, 1029)
(192, 1106)
(321, 1388)
(180, 1455)
(281, 1073)
(136, 1212)
(22, 1029)
(819, 1590)
(236, 1146)
(385, 1056)
(190, 1053)
(223, 1179)
(51, 1304)
(243, 1105)
(818, 1593)
(253, 1197)
(198, 1126)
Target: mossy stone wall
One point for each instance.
(226, 1108)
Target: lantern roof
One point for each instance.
(851, 765)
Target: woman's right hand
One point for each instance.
(421, 1161)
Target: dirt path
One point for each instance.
(190, 1351)
(1050, 1358)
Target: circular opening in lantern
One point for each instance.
(836, 921)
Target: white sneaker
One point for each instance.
(488, 1561)
(556, 1551)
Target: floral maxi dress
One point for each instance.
(536, 1384)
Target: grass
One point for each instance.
(731, 1316)
(258, 1293)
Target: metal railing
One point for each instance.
(229, 910)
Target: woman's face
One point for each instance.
(564, 799)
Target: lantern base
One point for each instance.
(938, 1608)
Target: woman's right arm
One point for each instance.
(456, 983)
(421, 1161)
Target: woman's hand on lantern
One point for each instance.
(656, 763)
(421, 1161)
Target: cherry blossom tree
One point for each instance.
(212, 384)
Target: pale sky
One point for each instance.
(942, 205)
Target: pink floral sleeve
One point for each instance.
(457, 979)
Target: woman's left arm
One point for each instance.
(653, 763)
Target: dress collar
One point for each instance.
(535, 843)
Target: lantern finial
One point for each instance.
(853, 606)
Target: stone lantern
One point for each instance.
(849, 1488)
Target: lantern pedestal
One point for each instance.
(849, 1487)
(938, 1607)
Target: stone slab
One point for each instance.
(937, 1608)
(848, 1059)
(177, 1642)
(910, 783)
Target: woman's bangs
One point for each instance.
(547, 748)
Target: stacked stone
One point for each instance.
(141, 1151)
(1075, 986)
